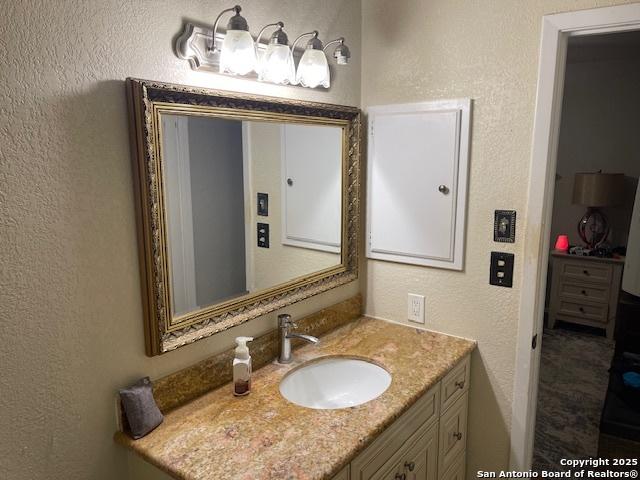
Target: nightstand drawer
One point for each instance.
(587, 272)
(585, 292)
(595, 313)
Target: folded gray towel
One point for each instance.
(143, 415)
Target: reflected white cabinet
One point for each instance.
(312, 183)
(418, 157)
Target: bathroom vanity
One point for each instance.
(254, 167)
(415, 430)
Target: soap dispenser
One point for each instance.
(242, 367)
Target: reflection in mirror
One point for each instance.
(250, 205)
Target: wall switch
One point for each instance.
(416, 308)
(501, 271)
(263, 235)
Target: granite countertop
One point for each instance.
(263, 436)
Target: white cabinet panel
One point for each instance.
(312, 182)
(417, 182)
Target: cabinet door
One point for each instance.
(453, 433)
(417, 182)
(416, 460)
(312, 186)
(457, 470)
(379, 461)
(420, 462)
(343, 475)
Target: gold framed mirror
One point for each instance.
(246, 204)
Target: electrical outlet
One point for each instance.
(416, 308)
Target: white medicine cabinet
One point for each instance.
(418, 161)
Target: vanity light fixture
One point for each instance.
(234, 52)
(313, 69)
(276, 62)
(238, 53)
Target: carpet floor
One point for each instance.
(573, 383)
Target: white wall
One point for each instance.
(599, 131)
(488, 50)
(71, 311)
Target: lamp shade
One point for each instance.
(598, 189)
(277, 65)
(313, 69)
(238, 54)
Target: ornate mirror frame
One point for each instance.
(147, 100)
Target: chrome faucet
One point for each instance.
(285, 324)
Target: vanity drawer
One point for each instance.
(454, 384)
(585, 292)
(453, 433)
(379, 457)
(457, 470)
(595, 313)
(587, 272)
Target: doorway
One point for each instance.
(556, 32)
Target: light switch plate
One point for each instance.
(415, 312)
(263, 235)
(263, 204)
(501, 269)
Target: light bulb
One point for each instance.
(238, 53)
(276, 65)
(313, 69)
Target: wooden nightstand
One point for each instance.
(584, 290)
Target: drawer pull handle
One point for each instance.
(401, 476)
(460, 384)
(458, 435)
(584, 292)
(581, 309)
(586, 272)
(409, 466)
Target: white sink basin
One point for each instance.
(335, 382)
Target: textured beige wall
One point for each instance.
(279, 263)
(70, 311)
(487, 50)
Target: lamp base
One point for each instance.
(593, 228)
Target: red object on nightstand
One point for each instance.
(562, 243)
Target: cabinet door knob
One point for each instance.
(458, 435)
(581, 309)
(586, 272)
(460, 384)
(584, 292)
(409, 466)
(443, 189)
(289, 181)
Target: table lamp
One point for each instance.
(595, 190)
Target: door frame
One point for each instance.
(556, 30)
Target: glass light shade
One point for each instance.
(313, 69)
(238, 53)
(276, 65)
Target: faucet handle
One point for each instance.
(284, 320)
